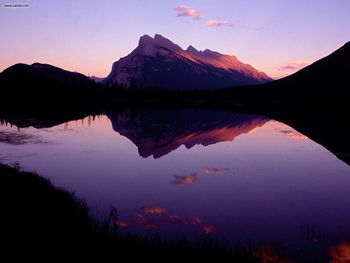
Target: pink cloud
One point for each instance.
(293, 134)
(292, 66)
(218, 23)
(187, 11)
(213, 170)
(208, 229)
(121, 223)
(340, 253)
(153, 210)
(181, 180)
(153, 217)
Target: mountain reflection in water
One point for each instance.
(157, 133)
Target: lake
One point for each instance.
(195, 173)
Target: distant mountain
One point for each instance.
(42, 80)
(97, 79)
(157, 133)
(159, 63)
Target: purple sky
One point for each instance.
(276, 36)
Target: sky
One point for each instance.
(275, 36)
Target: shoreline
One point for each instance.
(41, 220)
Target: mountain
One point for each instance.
(157, 133)
(97, 79)
(325, 80)
(159, 63)
(43, 80)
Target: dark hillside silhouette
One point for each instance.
(43, 80)
(326, 79)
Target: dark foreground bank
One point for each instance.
(41, 223)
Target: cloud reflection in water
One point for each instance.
(154, 217)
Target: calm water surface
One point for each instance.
(196, 173)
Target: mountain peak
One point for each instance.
(150, 45)
(160, 38)
(191, 49)
(145, 39)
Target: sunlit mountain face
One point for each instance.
(159, 63)
(157, 133)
